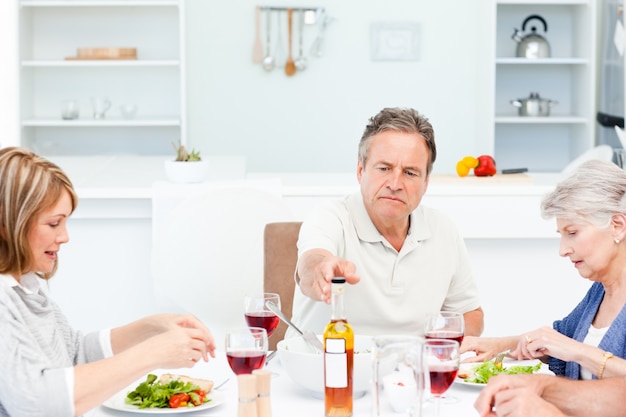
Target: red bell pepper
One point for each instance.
(486, 166)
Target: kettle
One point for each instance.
(532, 45)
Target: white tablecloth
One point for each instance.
(289, 400)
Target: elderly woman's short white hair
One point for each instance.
(593, 194)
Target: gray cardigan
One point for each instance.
(37, 350)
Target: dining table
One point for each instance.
(287, 399)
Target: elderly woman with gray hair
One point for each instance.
(590, 342)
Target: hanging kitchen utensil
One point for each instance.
(257, 46)
(290, 65)
(532, 45)
(268, 61)
(279, 50)
(301, 60)
(533, 105)
(316, 48)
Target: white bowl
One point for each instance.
(186, 172)
(307, 369)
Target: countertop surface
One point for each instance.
(132, 177)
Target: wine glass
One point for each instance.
(246, 349)
(258, 315)
(447, 325)
(442, 358)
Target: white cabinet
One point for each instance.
(567, 76)
(50, 31)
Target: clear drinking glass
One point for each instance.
(246, 349)
(398, 376)
(442, 359)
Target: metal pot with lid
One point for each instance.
(533, 105)
(532, 45)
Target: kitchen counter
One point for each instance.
(132, 177)
(503, 206)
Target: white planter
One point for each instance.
(186, 172)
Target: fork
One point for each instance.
(499, 358)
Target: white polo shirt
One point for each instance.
(397, 289)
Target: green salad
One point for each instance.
(487, 369)
(153, 394)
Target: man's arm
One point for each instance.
(474, 322)
(317, 267)
(595, 398)
(601, 398)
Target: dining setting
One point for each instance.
(393, 375)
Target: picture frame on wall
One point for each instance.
(395, 41)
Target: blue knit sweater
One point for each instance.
(576, 326)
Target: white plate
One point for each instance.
(469, 366)
(117, 403)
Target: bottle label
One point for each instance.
(336, 363)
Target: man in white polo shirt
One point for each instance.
(404, 260)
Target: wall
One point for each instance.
(312, 122)
(9, 124)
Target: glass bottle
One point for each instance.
(338, 356)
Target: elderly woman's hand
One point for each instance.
(546, 341)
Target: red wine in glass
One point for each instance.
(265, 319)
(444, 334)
(441, 377)
(244, 362)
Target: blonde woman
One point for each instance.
(46, 367)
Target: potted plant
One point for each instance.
(187, 167)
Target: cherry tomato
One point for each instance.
(197, 397)
(179, 400)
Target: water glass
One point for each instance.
(398, 376)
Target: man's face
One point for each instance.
(394, 178)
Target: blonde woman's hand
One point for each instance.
(180, 347)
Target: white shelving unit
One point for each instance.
(52, 30)
(568, 76)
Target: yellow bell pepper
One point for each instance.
(464, 166)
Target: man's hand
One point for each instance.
(505, 394)
(316, 269)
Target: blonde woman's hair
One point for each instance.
(29, 185)
(593, 194)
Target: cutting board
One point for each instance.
(472, 179)
(104, 53)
